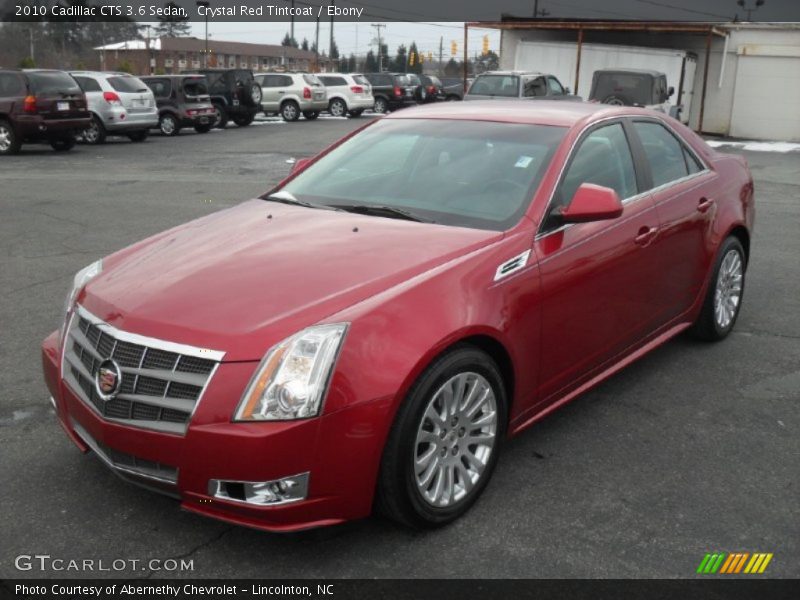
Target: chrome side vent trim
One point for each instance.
(512, 265)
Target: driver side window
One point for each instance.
(603, 157)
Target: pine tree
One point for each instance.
(171, 26)
(304, 45)
(370, 63)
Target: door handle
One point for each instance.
(281, 91)
(704, 205)
(645, 235)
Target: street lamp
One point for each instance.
(206, 4)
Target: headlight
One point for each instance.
(82, 277)
(291, 380)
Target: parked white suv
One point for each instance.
(292, 94)
(347, 93)
(121, 104)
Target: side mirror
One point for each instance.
(670, 92)
(567, 91)
(592, 203)
(298, 164)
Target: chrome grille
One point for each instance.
(161, 381)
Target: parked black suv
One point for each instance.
(235, 95)
(391, 91)
(39, 105)
(182, 101)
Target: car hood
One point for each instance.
(242, 279)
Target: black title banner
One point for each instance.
(392, 10)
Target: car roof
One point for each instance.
(562, 113)
(631, 71)
(512, 73)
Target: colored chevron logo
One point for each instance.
(734, 563)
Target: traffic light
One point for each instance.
(411, 59)
(454, 48)
(430, 56)
(486, 44)
(421, 58)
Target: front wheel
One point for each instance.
(169, 125)
(138, 136)
(444, 443)
(220, 117)
(63, 144)
(290, 111)
(724, 296)
(381, 106)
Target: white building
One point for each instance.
(752, 76)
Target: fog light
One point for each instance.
(261, 493)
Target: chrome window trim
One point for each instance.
(706, 169)
(135, 338)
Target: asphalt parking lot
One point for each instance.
(691, 450)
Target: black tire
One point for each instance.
(290, 111)
(95, 134)
(708, 327)
(244, 120)
(203, 128)
(398, 495)
(9, 141)
(138, 136)
(63, 144)
(337, 107)
(169, 125)
(381, 105)
(617, 100)
(221, 117)
(356, 113)
(311, 114)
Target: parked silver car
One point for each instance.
(121, 104)
(292, 94)
(347, 93)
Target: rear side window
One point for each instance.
(11, 85)
(88, 84)
(495, 85)
(664, 152)
(534, 87)
(130, 85)
(554, 86)
(360, 79)
(195, 86)
(692, 163)
(332, 81)
(312, 80)
(603, 158)
(52, 82)
(162, 88)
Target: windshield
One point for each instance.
(52, 82)
(495, 85)
(464, 173)
(627, 88)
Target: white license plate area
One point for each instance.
(62, 106)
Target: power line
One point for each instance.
(688, 10)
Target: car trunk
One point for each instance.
(134, 95)
(195, 90)
(57, 94)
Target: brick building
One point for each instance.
(175, 54)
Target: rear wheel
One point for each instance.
(9, 142)
(290, 111)
(724, 296)
(203, 128)
(220, 117)
(444, 442)
(95, 133)
(311, 114)
(138, 136)
(381, 105)
(244, 120)
(169, 125)
(337, 107)
(63, 144)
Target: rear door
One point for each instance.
(135, 96)
(58, 95)
(598, 298)
(269, 91)
(684, 190)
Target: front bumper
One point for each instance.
(340, 451)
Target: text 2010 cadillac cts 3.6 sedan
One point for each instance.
(367, 333)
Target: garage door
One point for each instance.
(765, 102)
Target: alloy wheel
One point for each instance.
(728, 291)
(337, 108)
(289, 112)
(92, 133)
(5, 138)
(167, 125)
(455, 439)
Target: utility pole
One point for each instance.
(291, 35)
(378, 26)
(441, 55)
(33, 57)
(330, 49)
(316, 45)
(539, 13)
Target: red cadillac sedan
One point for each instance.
(366, 334)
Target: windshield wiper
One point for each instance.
(288, 198)
(382, 211)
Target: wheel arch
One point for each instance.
(741, 233)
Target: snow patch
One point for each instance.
(782, 147)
